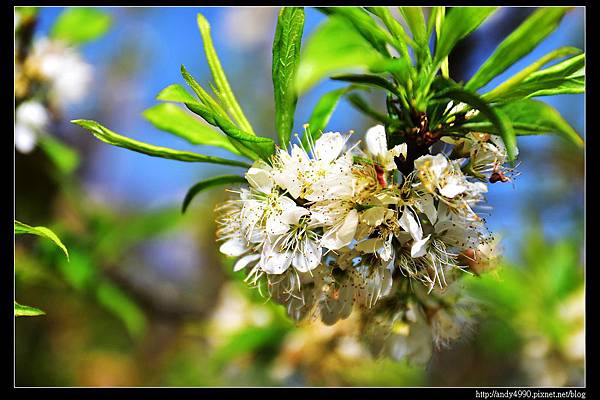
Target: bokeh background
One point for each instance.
(146, 299)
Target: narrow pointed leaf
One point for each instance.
(179, 94)
(566, 77)
(62, 155)
(110, 137)
(171, 118)
(532, 117)
(364, 25)
(261, 147)
(458, 23)
(222, 84)
(438, 18)
(27, 311)
(514, 80)
(42, 231)
(401, 39)
(366, 79)
(204, 97)
(208, 183)
(334, 46)
(416, 22)
(286, 57)
(176, 93)
(518, 44)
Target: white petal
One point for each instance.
(309, 258)
(329, 146)
(25, 138)
(343, 235)
(348, 229)
(385, 252)
(453, 188)
(398, 150)
(260, 178)
(244, 261)
(275, 225)
(273, 262)
(480, 187)
(376, 141)
(437, 164)
(410, 224)
(234, 247)
(419, 247)
(426, 206)
(289, 175)
(292, 215)
(32, 113)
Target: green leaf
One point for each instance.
(437, 18)
(416, 22)
(366, 79)
(513, 81)
(171, 118)
(532, 117)
(334, 46)
(519, 43)
(176, 93)
(42, 231)
(261, 147)
(81, 272)
(566, 77)
(223, 88)
(495, 115)
(458, 23)
(26, 311)
(208, 183)
(247, 340)
(110, 137)
(286, 57)
(114, 243)
(401, 38)
(80, 25)
(401, 68)
(364, 25)
(64, 157)
(26, 12)
(322, 112)
(204, 97)
(118, 302)
(362, 105)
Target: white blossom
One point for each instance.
(31, 120)
(377, 148)
(326, 176)
(63, 67)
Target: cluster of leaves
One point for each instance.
(414, 74)
(420, 91)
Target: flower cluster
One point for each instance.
(338, 227)
(49, 75)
